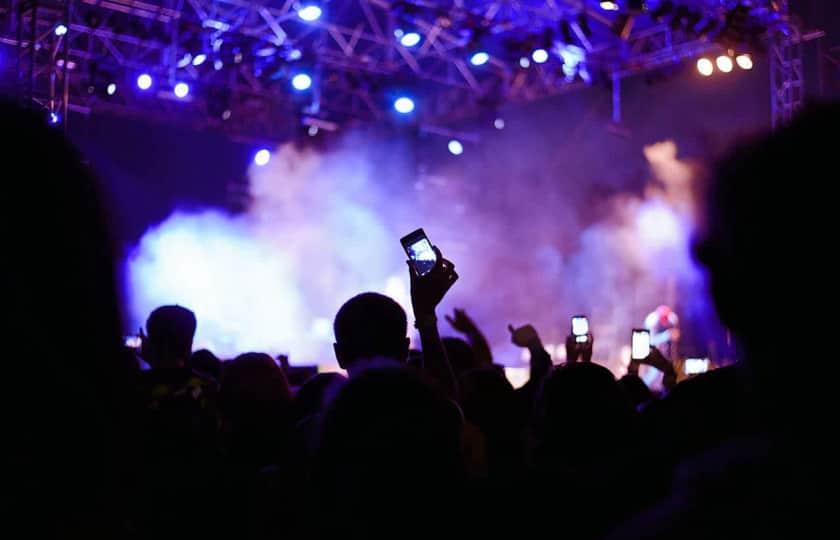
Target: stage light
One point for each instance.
(60, 29)
(111, 89)
(524, 63)
(540, 56)
(480, 58)
(262, 157)
(410, 39)
(403, 105)
(455, 147)
(309, 13)
(301, 82)
(184, 61)
(724, 63)
(312, 131)
(144, 81)
(181, 90)
(218, 64)
(705, 67)
(54, 118)
(609, 6)
(199, 59)
(744, 61)
(499, 123)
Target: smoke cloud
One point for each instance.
(323, 227)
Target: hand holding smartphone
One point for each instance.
(640, 344)
(580, 328)
(420, 251)
(695, 366)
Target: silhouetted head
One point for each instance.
(769, 224)
(583, 413)
(460, 354)
(636, 390)
(369, 326)
(767, 241)
(313, 396)
(255, 405)
(169, 337)
(488, 399)
(206, 363)
(64, 333)
(389, 440)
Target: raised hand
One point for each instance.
(524, 336)
(460, 321)
(579, 351)
(428, 291)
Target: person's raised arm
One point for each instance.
(461, 322)
(526, 336)
(657, 360)
(426, 293)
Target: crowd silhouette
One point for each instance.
(109, 442)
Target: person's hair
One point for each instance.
(170, 330)
(206, 363)
(389, 440)
(583, 413)
(370, 325)
(69, 381)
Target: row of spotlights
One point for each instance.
(706, 67)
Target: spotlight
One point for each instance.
(199, 59)
(744, 61)
(111, 89)
(480, 58)
(181, 90)
(403, 105)
(724, 63)
(312, 131)
(309, 12)
(262, 157)
(609, 6)
(410, 39)
(144, 81)
(540, 56)
(524, 63)
(301, 82)
(705, 67)
(455, 147)
(60, 29)
(218, 64)
(54, 118)
(499, 123)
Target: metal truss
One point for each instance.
(253, 47)
(787, 83)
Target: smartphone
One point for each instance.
(580, 328)
(133, 342)
(640, 344)
(419, 251)
(695, 366)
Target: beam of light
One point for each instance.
(404, 105)
(144, 81)
(724, 63)
(540, 56)
(310, 13)
(301, 82)
(744, 61)
(480, 58)
(181, 90)
(705, 67)
(262, 157)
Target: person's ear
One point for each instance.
(339, 355)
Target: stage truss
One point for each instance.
(357, 64)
